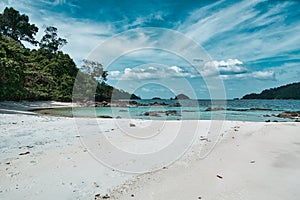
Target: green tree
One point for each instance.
(95, 70)
(17, 26)
(46, 73)
(51, 41)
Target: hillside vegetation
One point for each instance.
(290, 91)
(45, 73)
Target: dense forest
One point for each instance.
(290, 91)
(45, 73)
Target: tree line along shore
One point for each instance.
(45, 72)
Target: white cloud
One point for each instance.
(176, 69)
(263, 74)
(233, 69)
(81, 40)
(59, 2)
(203, 27)
(114, 73)
(260, 75)
(150, 72)
(236, 30)
(142, 20)
(226, 69)
(231, 66)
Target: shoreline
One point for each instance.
(52, 108)
(27, 107)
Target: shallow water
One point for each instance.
(237, 110)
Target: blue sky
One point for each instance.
(253, 44)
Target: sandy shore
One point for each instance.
(255, 161)
(24, 107)
(45, 157)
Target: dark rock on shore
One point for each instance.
(134, 103)
(214, 109)
(158, 104)
(125, 104)
(265, 109)
(157, 113)
(171, 112)
(190, 111)
(290, 115)
(175, 105)
(238, 110)
(152, 114)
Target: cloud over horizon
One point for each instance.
(234, 69)
(150, 72)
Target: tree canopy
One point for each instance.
(34, 74)
(51, 41)
(94, 69)
(17, 26)
(46, 73)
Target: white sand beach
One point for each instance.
(47, 157)
(257, 161)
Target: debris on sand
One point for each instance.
(106, 196)
(105, 116)
(132, 125)
(220, 177)
(98, 196)
(24, 153)
(203, 138)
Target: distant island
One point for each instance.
(180, 97)
(156, 98)
(289, 91)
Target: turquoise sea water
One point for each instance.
(240, 110)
